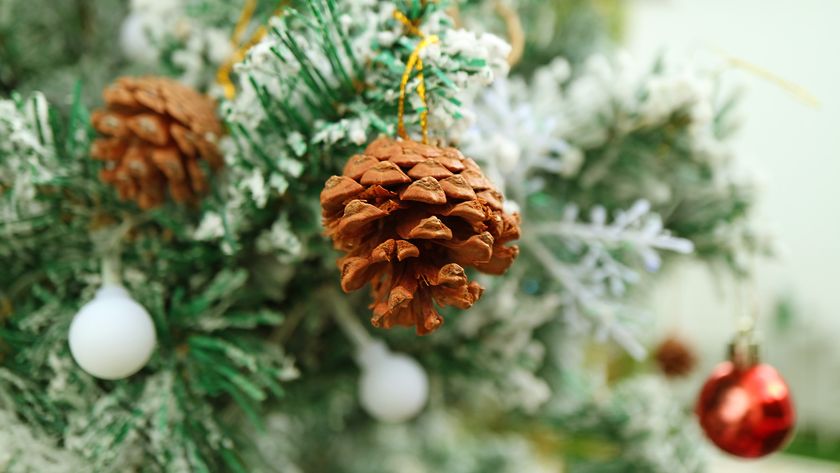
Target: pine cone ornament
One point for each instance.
(675, 358)
(156, 131)
(411, 217)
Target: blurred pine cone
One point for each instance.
(410, 217)
(156, 130)
(675, 358)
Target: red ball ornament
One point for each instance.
(746, 409)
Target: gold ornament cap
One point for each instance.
(744, 348)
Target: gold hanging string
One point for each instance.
(515, 32)
(409, 25)
(801, 93)
(242, 22)
(414, 62)
(223, 74)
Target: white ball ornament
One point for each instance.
(135, 42)
(112, 336)
(393, 387)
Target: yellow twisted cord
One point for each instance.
(413, 62)
(516, 35)
(223, 74)
(6, 308)
(796, 90)
(409, 25)
(242, 22)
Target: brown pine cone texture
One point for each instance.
(411, 217)
(155, 132)
(675, 358)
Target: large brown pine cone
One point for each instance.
(410, 217)
(156, 130)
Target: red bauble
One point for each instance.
(746, 411)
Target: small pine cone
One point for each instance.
(675, 358)
(156, 130)
(411, 217)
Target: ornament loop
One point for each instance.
(743, 350)
(744, 353)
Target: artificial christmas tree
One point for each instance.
(610, 167)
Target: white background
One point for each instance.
(795, 149)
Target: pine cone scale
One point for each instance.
(384, 174)
(149, 128)
(456, 187)
(359, 164)
(429, 168)
(427, 190)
